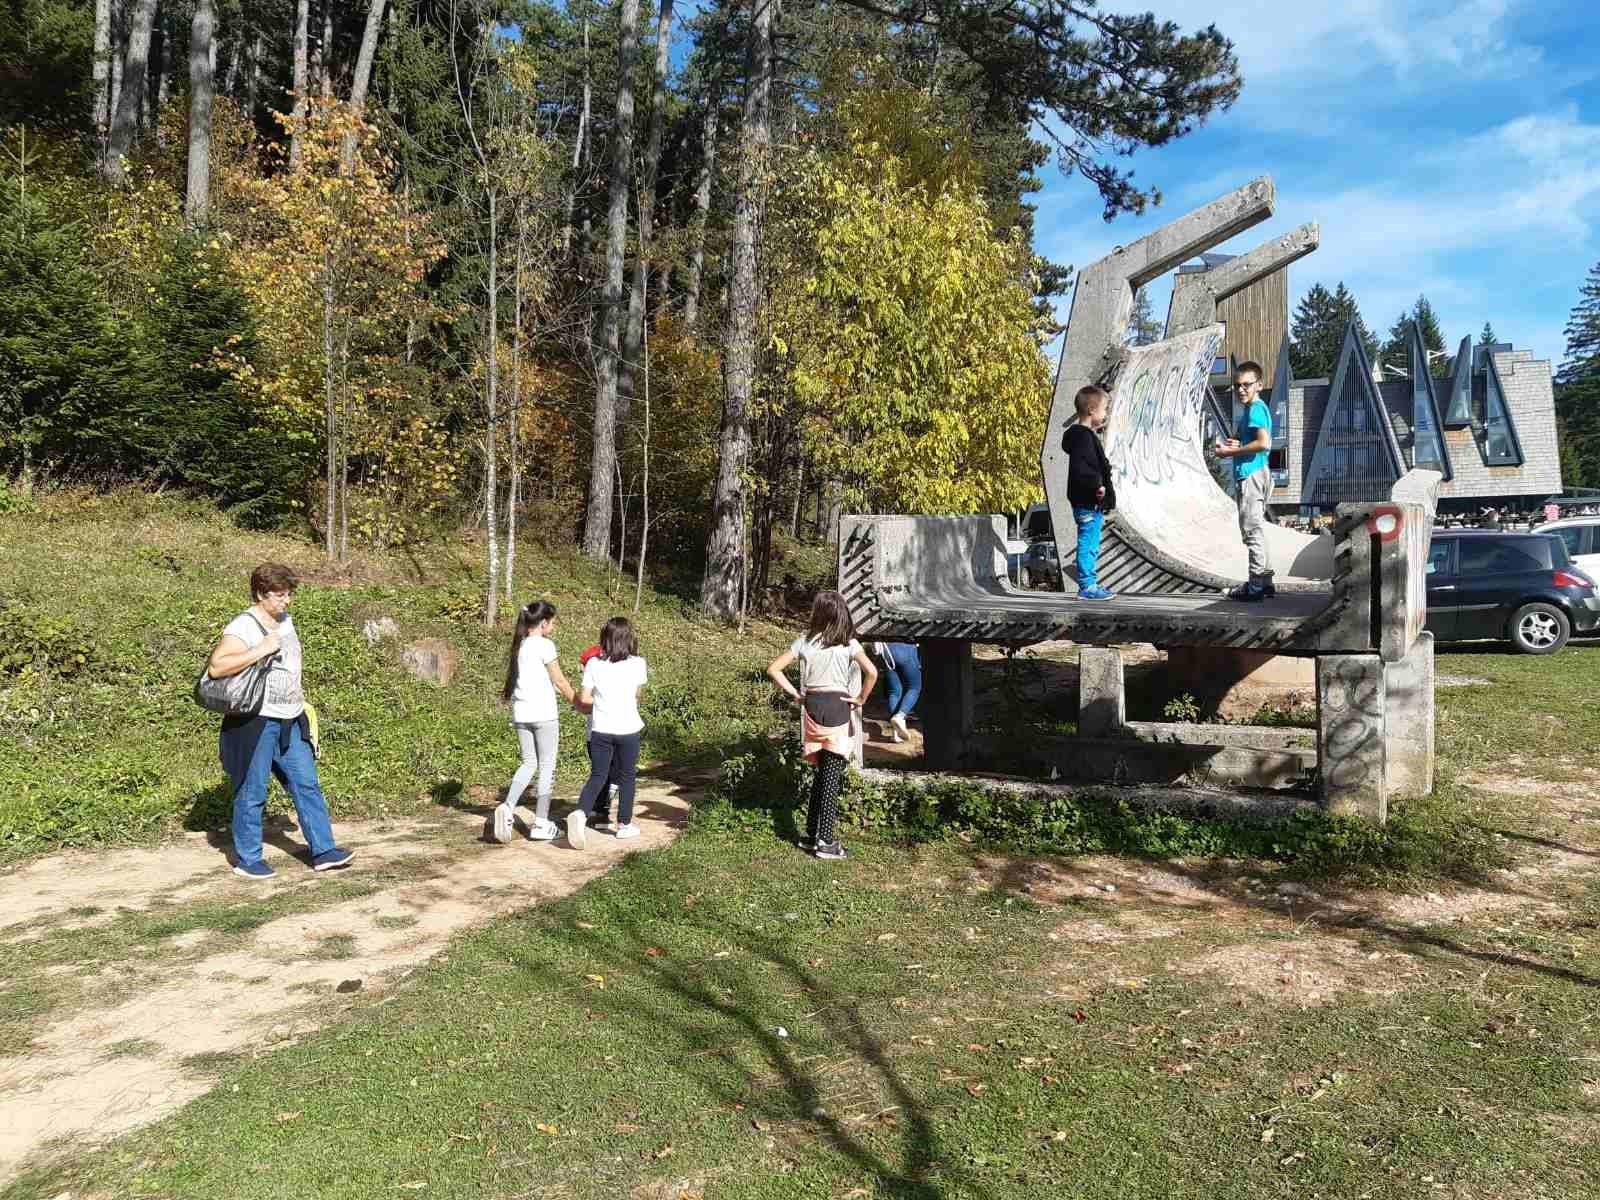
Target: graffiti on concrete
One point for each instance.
(1154, 433)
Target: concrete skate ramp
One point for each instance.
(1170, 510)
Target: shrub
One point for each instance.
(767, 780)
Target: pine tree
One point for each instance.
(1397, 348)
(1318, 330)
(1578, 387)
(1487, 337)
(1143, 328)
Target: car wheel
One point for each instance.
(1539, 629)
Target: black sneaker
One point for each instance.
(831, 851)
(1249, 593)
(1268, 588)
(806, 842)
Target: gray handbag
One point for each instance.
(240, 695)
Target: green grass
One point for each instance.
(111, 750)
(939, 1044)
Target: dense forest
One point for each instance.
(657, 283)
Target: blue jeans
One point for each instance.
(903, 679)
(1089, 521)
(284, 752)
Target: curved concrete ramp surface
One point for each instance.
(1170, 510)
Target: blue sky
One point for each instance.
(1447, 147)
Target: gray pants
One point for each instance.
(538, 742)
(1253, 493)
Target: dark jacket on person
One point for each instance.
(1088, 469)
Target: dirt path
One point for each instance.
(146, 1031)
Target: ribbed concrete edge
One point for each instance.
(1207, 803)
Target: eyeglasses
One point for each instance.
(279, 595)
(1245, 387)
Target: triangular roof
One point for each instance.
(1428, 447)
(1458, 408)
(1356, 444)
(1496, 409)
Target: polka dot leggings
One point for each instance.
(822, 818)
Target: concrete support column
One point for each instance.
(1408, 720)
(1102, 698)
(946, 705)
(1351, 744)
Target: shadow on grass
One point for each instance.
(1547, 843)
(1347, 922)
(625, 945)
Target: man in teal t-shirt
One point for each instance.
(1249, 453)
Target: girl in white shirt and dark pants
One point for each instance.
(610, 691)
(533, 677)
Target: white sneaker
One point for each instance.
(503, 823)
(604, 827)
(899, 723)
(630, 830)
(577, 834)
(542, 830)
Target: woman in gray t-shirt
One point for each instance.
(276, 740)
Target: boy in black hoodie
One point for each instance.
(1089, 485)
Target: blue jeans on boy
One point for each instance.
(1088, 521)
(903, 679)
(284, 752)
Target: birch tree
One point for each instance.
(302, 29)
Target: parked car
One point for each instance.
(1041, 566)
(1581, 536)
(1521, 586)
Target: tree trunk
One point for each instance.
(302, 27)
(135, 66)
(597, 521)
(202, 83)
(320, 53)
(644, 486)
(119, 17)
(721, 588)
(161, 46)
(362, 77)
(516, 409)
(578, 147)
(331, 487)
(638, 297)
(252, 79)
(702, 204)
(491, 603)
(102, 74)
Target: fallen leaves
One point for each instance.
(548, 1129)
(285, 1117)
(598, 980)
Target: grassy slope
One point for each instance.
(118, 752)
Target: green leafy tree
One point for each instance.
(910, 342)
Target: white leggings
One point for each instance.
(538, 742)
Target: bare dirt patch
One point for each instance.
(271, 985)
(1305, 972)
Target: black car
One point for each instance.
(1521, 586)
(1041, 567)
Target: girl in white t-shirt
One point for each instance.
(533, 677)
(826, 654)
(610, 694)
